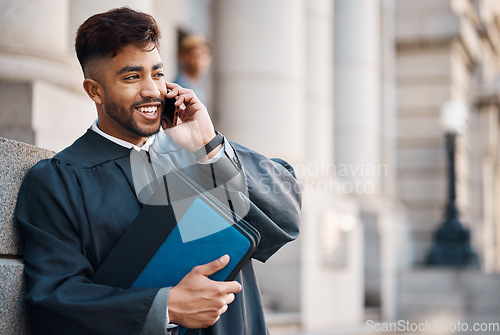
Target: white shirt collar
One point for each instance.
(121, 142)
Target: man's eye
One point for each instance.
(159, 75)
(131, 77)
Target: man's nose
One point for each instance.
(150, 89)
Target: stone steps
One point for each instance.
(450, 296)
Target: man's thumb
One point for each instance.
(214, 266)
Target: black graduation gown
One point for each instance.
(73, 208)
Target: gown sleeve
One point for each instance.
(275, 200)
(61, 297)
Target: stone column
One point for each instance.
(365, 135)
(33, 39)
(331, 257)
(38, 29)
(357, 93)
(319, 81)
(496, 215)
(259, 75)
(260, 102)
(358, 121)
(37, 65)
(388, 97)
(484, 137)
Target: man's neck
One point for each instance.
(124, 143)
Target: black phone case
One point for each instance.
(169, 111)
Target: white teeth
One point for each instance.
(148, 110)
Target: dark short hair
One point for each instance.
(105, 34)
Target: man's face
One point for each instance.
(134, 88)
(197, 60)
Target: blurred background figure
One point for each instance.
(195, 58)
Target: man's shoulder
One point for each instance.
(74, 153)
(45, 168)
(247, 155)
(89, 150)
(242, 150)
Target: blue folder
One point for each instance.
(157, 250)
(192, 242)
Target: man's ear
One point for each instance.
(94, 90)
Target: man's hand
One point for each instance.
(197, 301)
(194, 128)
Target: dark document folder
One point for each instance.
(158, 251)
(201, 236)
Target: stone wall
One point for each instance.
(424, 70)
(15, 159)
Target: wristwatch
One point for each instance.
(210, 146)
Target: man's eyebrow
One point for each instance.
(130, 68)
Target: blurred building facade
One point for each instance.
(348, 91)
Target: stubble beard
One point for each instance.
(126, 118)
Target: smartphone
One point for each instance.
(170, 112)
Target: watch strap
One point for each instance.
(210, 146)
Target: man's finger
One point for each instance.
(230, 298)
(231, 287)
(171, 85)
(212, 267)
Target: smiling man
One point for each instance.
(72, 209)
(127, 107)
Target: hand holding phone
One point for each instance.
(194, 127)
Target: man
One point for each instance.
(73, 208)
(195, 57)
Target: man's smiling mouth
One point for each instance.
(150, 110)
